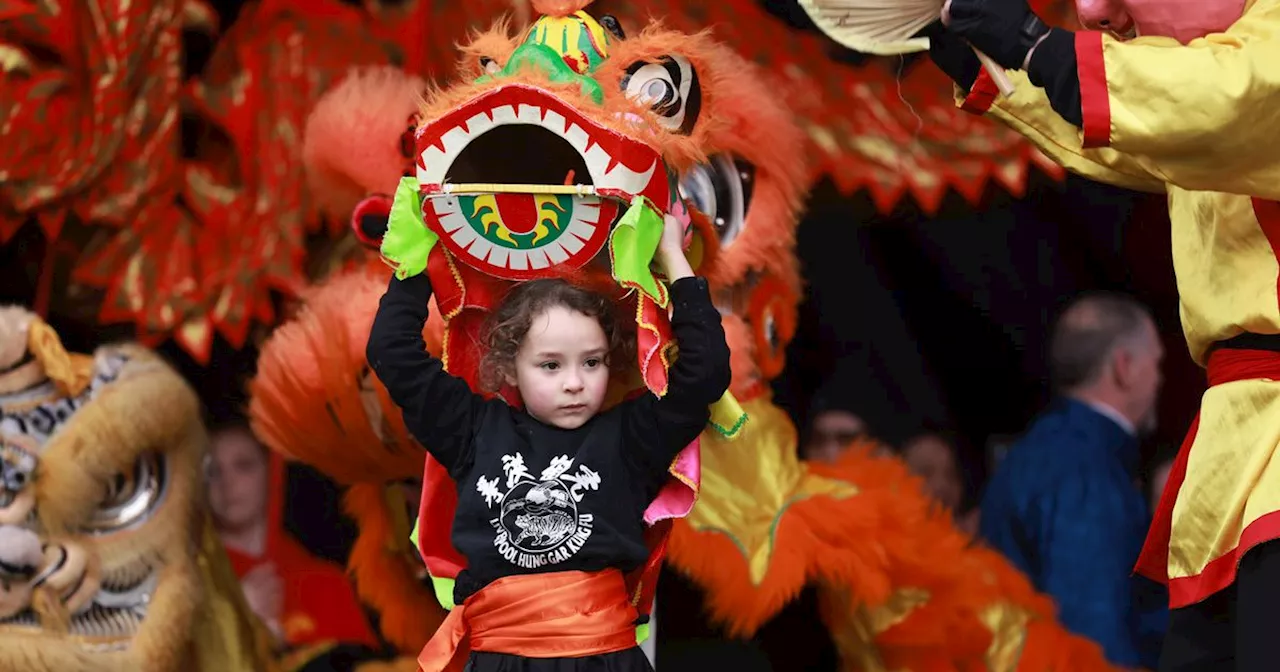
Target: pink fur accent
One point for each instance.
(351, 145)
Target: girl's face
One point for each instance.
(561, 369)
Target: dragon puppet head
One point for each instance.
(106, 562)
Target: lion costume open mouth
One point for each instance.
(518, 181)
(114, 616)
(520, 135)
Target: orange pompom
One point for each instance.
(559, 7)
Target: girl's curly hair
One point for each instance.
(506, 326)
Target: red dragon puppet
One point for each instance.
(556, 145)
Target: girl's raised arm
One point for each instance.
(440, 410)
(657, 429)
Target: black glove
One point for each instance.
(952, 55)
(1005, 30)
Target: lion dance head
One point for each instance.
(106, 558)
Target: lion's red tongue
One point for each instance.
(519, 212)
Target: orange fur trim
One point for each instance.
(440, 101)
(772, 302)
(678, 151)
(496, 43)
(746, 383)
(946, 632)
(865, 550)
(384, 574)
(314, 400)
(810, 536)
(745, 119)
(681, 152)
(351, 145)
(306, 401)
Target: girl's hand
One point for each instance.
(670, 253)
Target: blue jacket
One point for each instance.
(1064, 506)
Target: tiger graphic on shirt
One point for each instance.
(537, 522)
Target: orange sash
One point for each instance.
(556, 615)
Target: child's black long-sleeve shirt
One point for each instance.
(536, 498)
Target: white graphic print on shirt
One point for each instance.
(538, 523)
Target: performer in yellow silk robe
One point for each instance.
(1190, 108)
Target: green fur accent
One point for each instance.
(408, 241)
(546, 59)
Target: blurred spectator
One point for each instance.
(1064, 505)
(843, 411)
(302, 599)
(933, 456)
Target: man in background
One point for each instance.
(303, 600)
(1065, 505)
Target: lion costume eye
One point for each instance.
(721, 189)
(130, 496)
(670, 88)
(489, 65)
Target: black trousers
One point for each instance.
(630, 660)
(1235, 629)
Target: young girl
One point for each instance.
(551, 497)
